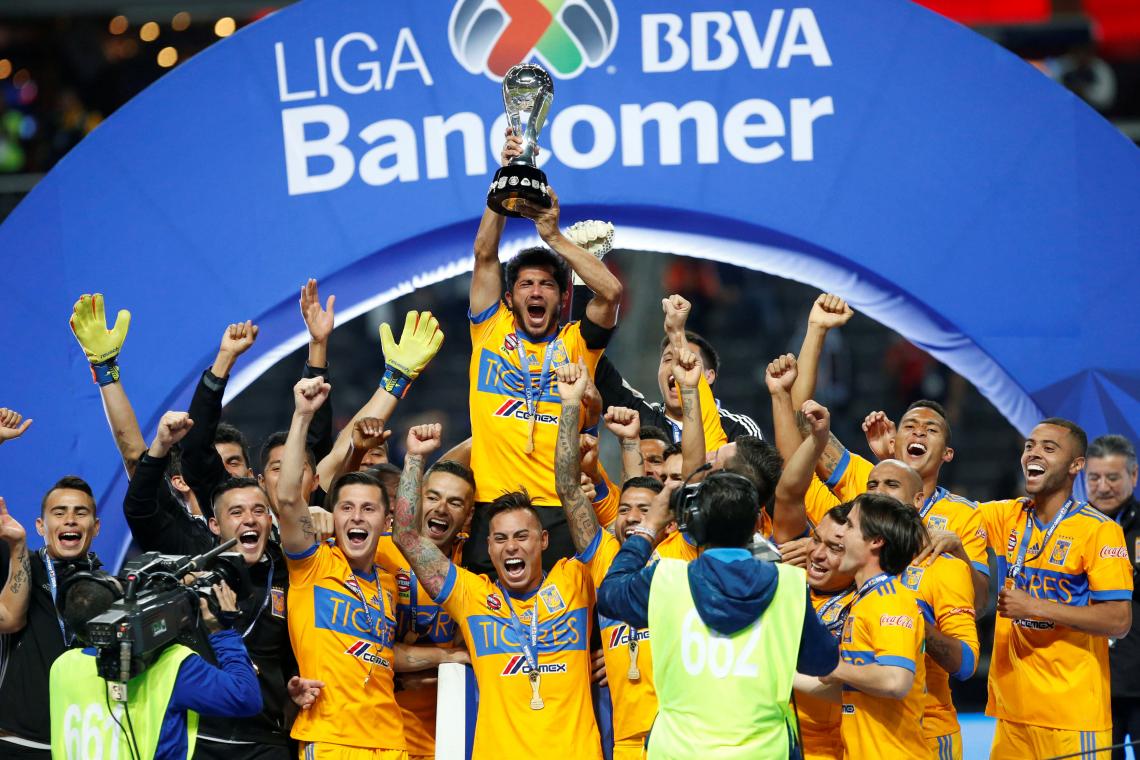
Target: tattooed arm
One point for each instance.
(428, 562)
(580, 515)
(411, 657)
(687, 371)
(16, 593)
(297, 530)
(625, 423)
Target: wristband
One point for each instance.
(395, 381)
(644, 532)
(105, 373)
(592, 430)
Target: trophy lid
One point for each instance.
(527, 76)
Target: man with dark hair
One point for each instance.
(157, 715)
(653, 441)
(516, 345)
(1068, 591)
(36, 635)
(1110, 479)
(753, 615)
(270, 470)
(527, 632)
(882, 635)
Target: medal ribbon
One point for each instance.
(532, 396)
(53, 586)
(835, 626)
(265, 601)
(1017, 571)
(868, 586)
(530, 648)
(934, 498)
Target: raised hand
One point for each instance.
(368, 433)
(89, 325)
(687, 368)
(781, 373)
(309, 394)
(623, 422)
(572, 381)
(12, 425)
(318, 320)
(424, 439)
(589, 490)
(819, 420)
(172, 428)
(829, 311)
(419, 343)
(545, 219)
(513, 147)
(880, 431)
(676, 310)
(11, 532)
(238, 338)
(588, 452)
(591, 403)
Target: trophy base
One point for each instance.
(514, 183)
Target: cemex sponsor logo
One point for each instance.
(900, 621)
(1039, 625)
(517, 665)
(517, 409)
(361, 650)
(623, 634)
(567, 36)
(1113, 552)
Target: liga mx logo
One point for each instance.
(490, 36)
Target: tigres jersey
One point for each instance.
(945, 591)
(1042, 674)
(819, 719)
(500, 420)
(331, 636)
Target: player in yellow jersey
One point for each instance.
(448, 493)
(882, 671)
(527, 633)
(516, 343)
(831, 593)
(946, 596)
(1068, 590)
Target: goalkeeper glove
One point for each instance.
(594, 237)
(404, 361)
(89, 325)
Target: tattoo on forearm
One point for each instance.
(307, 527)
(943, 650)
(829, 460)
(427, 561)
(689, 404)
(20, 578)
(567, 474)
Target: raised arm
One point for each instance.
(17, 588)
(12, 425)
(297, 530)
(320, 322)
(790, 519)
(625, 424)
(687, 370)
(580, 515)
(102, 346)
(828, 312)
(403, 362)
(487, 277)
(603, 307)
(429, 564)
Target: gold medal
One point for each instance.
(530, 431)
(536, 702)
(634, 673)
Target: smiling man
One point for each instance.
(1068, 590)
(527, 633)
(68, 524)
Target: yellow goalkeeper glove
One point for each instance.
(89, 325)
(404, 361)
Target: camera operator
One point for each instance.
(156, 715)
(36, 633)
(240, 510)
(729, 631)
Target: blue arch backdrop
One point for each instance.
(868, 147)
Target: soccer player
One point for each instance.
(653, 442)
(516, 344)
(341, 608)
(1068, 589)
(882, 635)
(527, 633)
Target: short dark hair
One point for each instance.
(1076, 431)
(71, 483)
(227, 433)
(898, 525)
(538, 257)
(732, 509)
(364, 478)
(644, 481)
(654, 433)
(232, 484)
(512, 501)
(86, 599)
(934, 406)
(760, 462)
(278, 439)
(1109, 445)
(671, 450)
(709, 357)
(839, 513)
(451, 467)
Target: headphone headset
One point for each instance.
(104, 579)
(690, 505)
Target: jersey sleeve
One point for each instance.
(993, 514)
(1108, 564)
(710, 417)
(607, 499)
(975, 540)
(484, 323)
(849, 478)
(576, 348)
(954, 611)
(458, 588)
(600, 555)
(818, 500)
(305, 567)
(896, 631)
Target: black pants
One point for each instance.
(18, 752)
(1125, 722)
(476, 559)
(208, 750)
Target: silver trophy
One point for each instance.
(528, 92)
